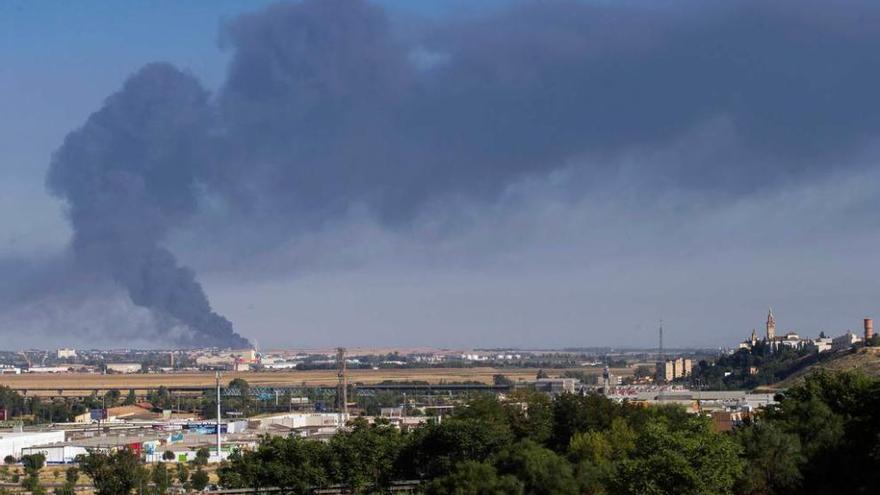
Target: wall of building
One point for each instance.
(12, 443)
(57, 454)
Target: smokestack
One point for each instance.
(869, 330)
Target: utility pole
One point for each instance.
(218, 416)
(341, 386)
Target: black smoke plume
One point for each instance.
(129, 175)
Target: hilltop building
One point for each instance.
(794, 341)
(845, 341)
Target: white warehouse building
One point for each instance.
(57, 453)
(11, 443)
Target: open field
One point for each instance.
(138, 381)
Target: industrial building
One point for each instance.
(123, 367)
(12, 443)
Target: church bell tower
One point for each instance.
(771, 326)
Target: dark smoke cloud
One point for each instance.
(129, 175)
(326, 109)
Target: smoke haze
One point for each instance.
(340, 140)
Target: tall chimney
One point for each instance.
(869, 330)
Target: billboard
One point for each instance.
(98, 414)
(205, 428)
(3, 414)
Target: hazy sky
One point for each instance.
(562, 173)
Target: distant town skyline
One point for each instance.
(513, 174)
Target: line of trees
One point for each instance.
(527, 445)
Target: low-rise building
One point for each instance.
(48, 369)
(845, 341)
(823, 344)
(556, 386)
(724, 421)
(124, 367)
(8, 369)
(65, 353)
(792, 340)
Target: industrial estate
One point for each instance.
(210, 407)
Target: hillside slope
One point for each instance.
(866, 360)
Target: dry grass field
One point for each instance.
(72, 381)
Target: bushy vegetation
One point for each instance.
(527, 445)
(822, 438)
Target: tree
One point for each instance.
(686, 459)
(541, 375)
(202, 456)
(71, 476)
(168, 455)
(199, 479)
(183, 474)
(773, 460)
(501, 380)
(575, 413)
(366, 455)
(111, 398)
(475, 478)
(33, 463)
(9, 459)
(486, 408)
(130, 399)
(161, 479)
(590, 446)
(530, 415)
(115, 473)
(597, 453)
(834, 415)
(292, 463)
(434, 450)
(541, 471)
